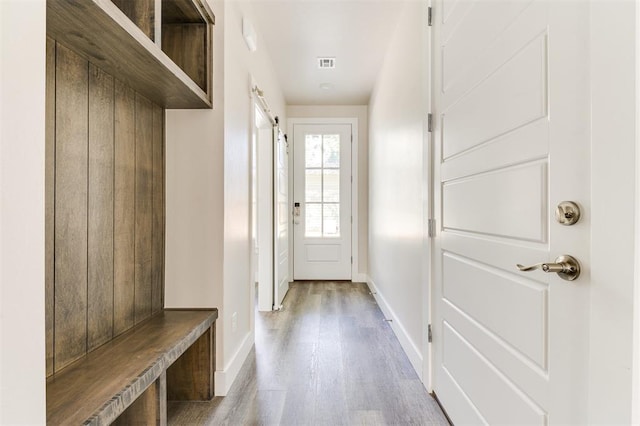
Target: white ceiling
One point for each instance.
(297, 32)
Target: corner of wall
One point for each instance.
(224, 378)
(635, 369)
(22, 221)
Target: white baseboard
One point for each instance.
(413, 352)
(224, 378)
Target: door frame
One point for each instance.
(353, 122)
(635, 415)
(610, 383)
(614, 329)
(427, 202)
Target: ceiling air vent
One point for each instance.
(326, 63)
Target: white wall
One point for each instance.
(240, 66)
(396, 184)
(194, 194)
(361, 113)
(635, 369)
(208, 252)
(22, 148)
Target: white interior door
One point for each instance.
(322, 201)
(511, 104)
(264, 211)
(280, 216)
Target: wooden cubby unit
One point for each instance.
(125, 38)
(185, 37)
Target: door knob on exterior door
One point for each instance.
(296, 213)
(567, 267)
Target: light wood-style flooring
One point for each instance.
(328, 358)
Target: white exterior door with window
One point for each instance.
(511, 103)
(322, 201)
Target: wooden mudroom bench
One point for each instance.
(129, 379)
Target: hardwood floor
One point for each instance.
(328, 358)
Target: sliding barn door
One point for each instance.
(280, 216)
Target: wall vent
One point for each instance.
(326, 63)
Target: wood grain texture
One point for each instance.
(143, 207)
(124, 208)
(180, 11)
(140, 12)
(327, 358)
(186, 45)
(164, 211)
(98, 31)
(95, 181)
(70, 316)
(109, 379)
(49, 206)
(157, 228)
(190, 378)
(100, 236)
(150, 408)
(209, 60)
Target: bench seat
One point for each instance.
(170, 355)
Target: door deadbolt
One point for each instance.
(567, 213)
(567, 267)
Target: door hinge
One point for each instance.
(429, 334)
(431, 228)
(352, 260)
(430, 122)
(430, 16)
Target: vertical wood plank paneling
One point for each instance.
(50, 158)
(143, 206)
(100, 243)
(70, 316)
(124, 208)
(157, 213)
(104, 207)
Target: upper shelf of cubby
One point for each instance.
(133, 52)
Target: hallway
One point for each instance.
(328, 358)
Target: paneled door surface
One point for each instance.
(322, 202)
(511, 141)
(280, 217)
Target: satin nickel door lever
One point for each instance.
(567, 267)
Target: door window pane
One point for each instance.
(313, 150)
(331, 186)
(313, 186)
(331, 151)
(313, 220)
(322, 186)
(331, 220)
